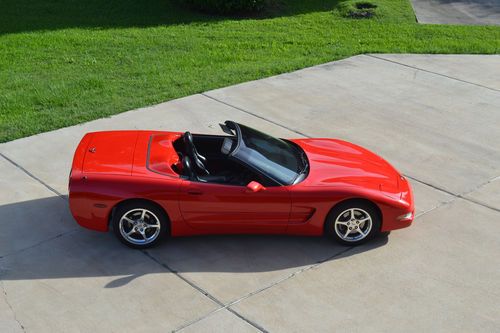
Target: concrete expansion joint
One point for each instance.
(252, 323)
(255, 115)
(431, 72)
(455, 195)
(39, 243)
(183, 278)
(60, 195)
(441, 204)
(463, 195)
(10, 306)
(291, 275)
(255, 292)
(480, 185)
(221, 305)
(479, 203)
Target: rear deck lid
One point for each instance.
(111, 152)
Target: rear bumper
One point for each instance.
(87, 214)
(83, 210)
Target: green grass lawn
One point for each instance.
(63, 62)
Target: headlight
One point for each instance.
(407, 216)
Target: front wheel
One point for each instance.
(353, 223)
(139, 224)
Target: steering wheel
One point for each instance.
(197, 158)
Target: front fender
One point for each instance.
(317, 202)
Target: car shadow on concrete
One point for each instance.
(75, 252)
(247, 254)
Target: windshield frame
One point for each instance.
(294, 149)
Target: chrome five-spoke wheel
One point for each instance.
(353, 222)
(139, 226)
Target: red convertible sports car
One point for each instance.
(149, 184)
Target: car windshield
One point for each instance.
(278, 159)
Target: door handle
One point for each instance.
(194, 192)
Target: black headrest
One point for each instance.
(188, 137)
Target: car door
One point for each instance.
(221, 208)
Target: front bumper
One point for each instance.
(402, 213)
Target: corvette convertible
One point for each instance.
(148, 185)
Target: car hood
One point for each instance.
(335, 161)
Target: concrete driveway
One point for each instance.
(436, 118)
(467, 12)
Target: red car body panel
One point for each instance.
(111, 167)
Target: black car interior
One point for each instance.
(191, 152)
(205, 158)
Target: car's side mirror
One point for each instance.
(254, 187)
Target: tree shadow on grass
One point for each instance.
(28, 15)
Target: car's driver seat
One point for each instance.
(188, 171)
(198, 159)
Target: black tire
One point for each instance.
(343, 213)
(146, 235)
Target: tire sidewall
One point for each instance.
(338, 209)
(125, 207)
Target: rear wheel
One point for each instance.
(140, 224)
(353, 222)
